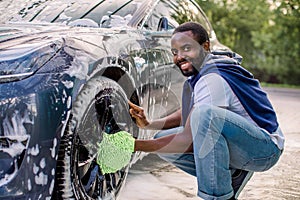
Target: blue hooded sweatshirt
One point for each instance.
(246, 88)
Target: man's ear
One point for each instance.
(206, 45)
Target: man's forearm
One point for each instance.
(171, 121)
(175, 143)
(151, 145)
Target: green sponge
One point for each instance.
(114, 151)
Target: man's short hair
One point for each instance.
(197, 29)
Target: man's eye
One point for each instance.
(186, 48)
(174, 52)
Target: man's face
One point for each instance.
(188, 54)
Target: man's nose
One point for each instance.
(181, 55)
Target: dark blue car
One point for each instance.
(67, 71)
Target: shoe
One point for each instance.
(239, 179)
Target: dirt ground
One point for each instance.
(151, 178)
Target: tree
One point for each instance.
(265, 33)
(284, 52)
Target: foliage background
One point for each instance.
(265, 32)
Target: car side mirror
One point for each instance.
(163, 24)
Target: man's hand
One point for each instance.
(138, 114)
(114, 151)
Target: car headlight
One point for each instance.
(17, 115)
(19, 62)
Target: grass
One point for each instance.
(264, 84)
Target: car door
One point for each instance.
(166, 76)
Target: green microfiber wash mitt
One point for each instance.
(114, 151)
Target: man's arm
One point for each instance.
(175, 143)
(170, 121)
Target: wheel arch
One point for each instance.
(122, 72)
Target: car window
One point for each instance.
(177, 12)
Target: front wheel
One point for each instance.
(101, 106)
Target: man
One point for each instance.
(226, 128)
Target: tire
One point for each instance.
(100, 106)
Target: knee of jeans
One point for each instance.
(203, 117)
(201, 112)
(207, 111)
(203, 109)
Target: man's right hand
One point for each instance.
(138, 114)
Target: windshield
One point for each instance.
(67, 11)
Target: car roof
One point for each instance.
(65, 11)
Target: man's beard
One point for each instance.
(195, 63)
(194, 70)
(189, 73)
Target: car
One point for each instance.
(67, 71)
